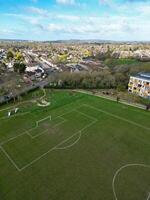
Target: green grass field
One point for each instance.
(81, 147)
(112, 62)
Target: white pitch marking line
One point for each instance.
(119, 170)
(80, 132)
(12, 138)
(26, 132)
(37, 125)
(58, 124)
(9, 158)
(35, 160)
(20, 114)
(55, 147)
(43, 132)
(117, 117)
(69, 146)
(111, 99)
(32, 137)
(41, 120)
(148, 196)
(88, 116)
(89, 125)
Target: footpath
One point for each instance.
(112, 99)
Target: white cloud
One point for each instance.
(36, 10)
(11, 32)
(126, 24)
(94, 26)
(66, 2)
(25, 18)
(144, 9)
(106, 2)
(34, 1)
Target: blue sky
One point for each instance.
(75, 19)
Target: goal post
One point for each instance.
(48, 118)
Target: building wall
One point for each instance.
(139, 86)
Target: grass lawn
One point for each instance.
(80, 147)
(112, 62)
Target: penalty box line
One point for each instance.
(37, 125)
(53, 148)
(25, 132)
(43, 132)
(10, 159)
(56, 146)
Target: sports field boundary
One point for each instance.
(117, 117)
(15, 115)
(140, 106)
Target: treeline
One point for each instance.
(101, 80)
(115, 78)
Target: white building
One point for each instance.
(140, 85)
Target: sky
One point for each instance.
(120, 20)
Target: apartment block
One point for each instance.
(140, 85)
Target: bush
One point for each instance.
(121, 88)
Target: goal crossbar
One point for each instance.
(44, 119)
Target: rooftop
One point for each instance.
(143, 75)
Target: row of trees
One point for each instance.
(101, 80)
(116, 77)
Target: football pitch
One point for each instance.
(79, 147)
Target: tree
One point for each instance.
(10, 55)
(19, 67)
(18, 56)
(121, 88)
